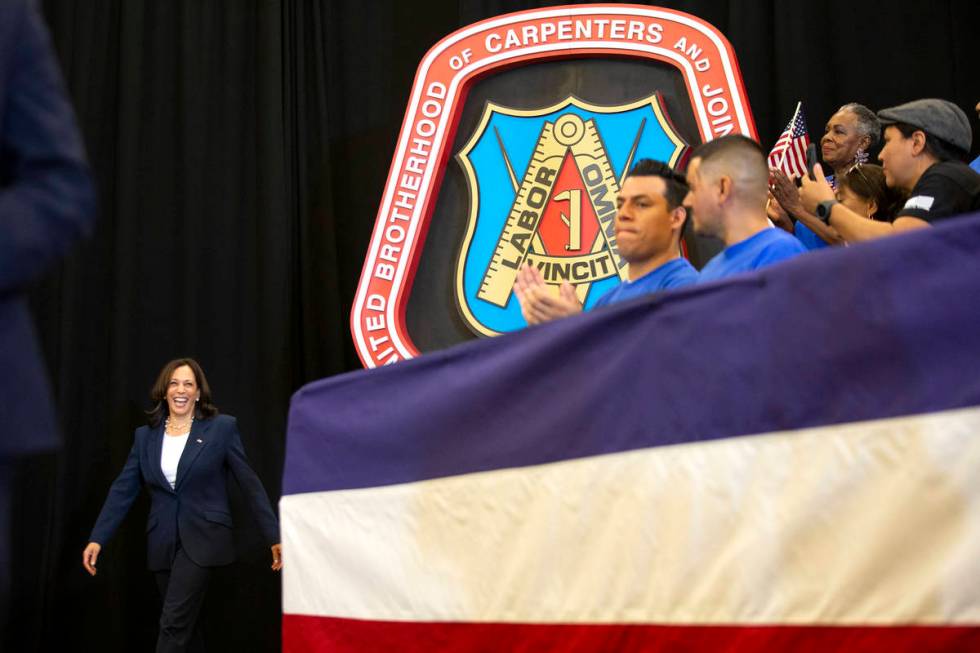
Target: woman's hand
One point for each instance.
(276, 557)
(778, 214)
(784, 190)
(90, 555)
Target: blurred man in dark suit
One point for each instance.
(46, 204)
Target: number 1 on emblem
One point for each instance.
(573, 221)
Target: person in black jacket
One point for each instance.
(182, 458)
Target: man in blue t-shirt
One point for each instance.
(728, 180)
(649, 221)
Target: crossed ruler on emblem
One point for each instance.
(569, 169)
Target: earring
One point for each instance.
(860, 157)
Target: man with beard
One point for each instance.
(728, 179)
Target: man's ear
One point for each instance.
(677, 217)
(726, 187)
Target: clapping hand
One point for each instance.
(778, 215)
(538, 302)
(784, 190)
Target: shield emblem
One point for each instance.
(542, 187)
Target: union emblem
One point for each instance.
(542, 187)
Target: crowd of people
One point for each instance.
(764, 217)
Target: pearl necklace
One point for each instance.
(166, 426)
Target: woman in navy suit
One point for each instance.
(182, 458)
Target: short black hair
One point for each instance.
(936, 147)
(675, 181)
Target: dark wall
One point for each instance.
(240, 148)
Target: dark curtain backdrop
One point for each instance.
(240, 149)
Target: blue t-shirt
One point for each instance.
(765, 248)
(672, 274)
(808, 236)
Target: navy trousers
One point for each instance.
(182, 588)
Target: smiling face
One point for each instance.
(182, 392)
(647, 229)
(842, 139)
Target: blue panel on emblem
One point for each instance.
(538, 179)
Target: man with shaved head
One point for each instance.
(728, 180)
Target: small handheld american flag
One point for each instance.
(789, 152)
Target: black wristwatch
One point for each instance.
(823, 210)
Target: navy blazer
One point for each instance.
(196, 509)
(47, 202)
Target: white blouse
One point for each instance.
(173, 446)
